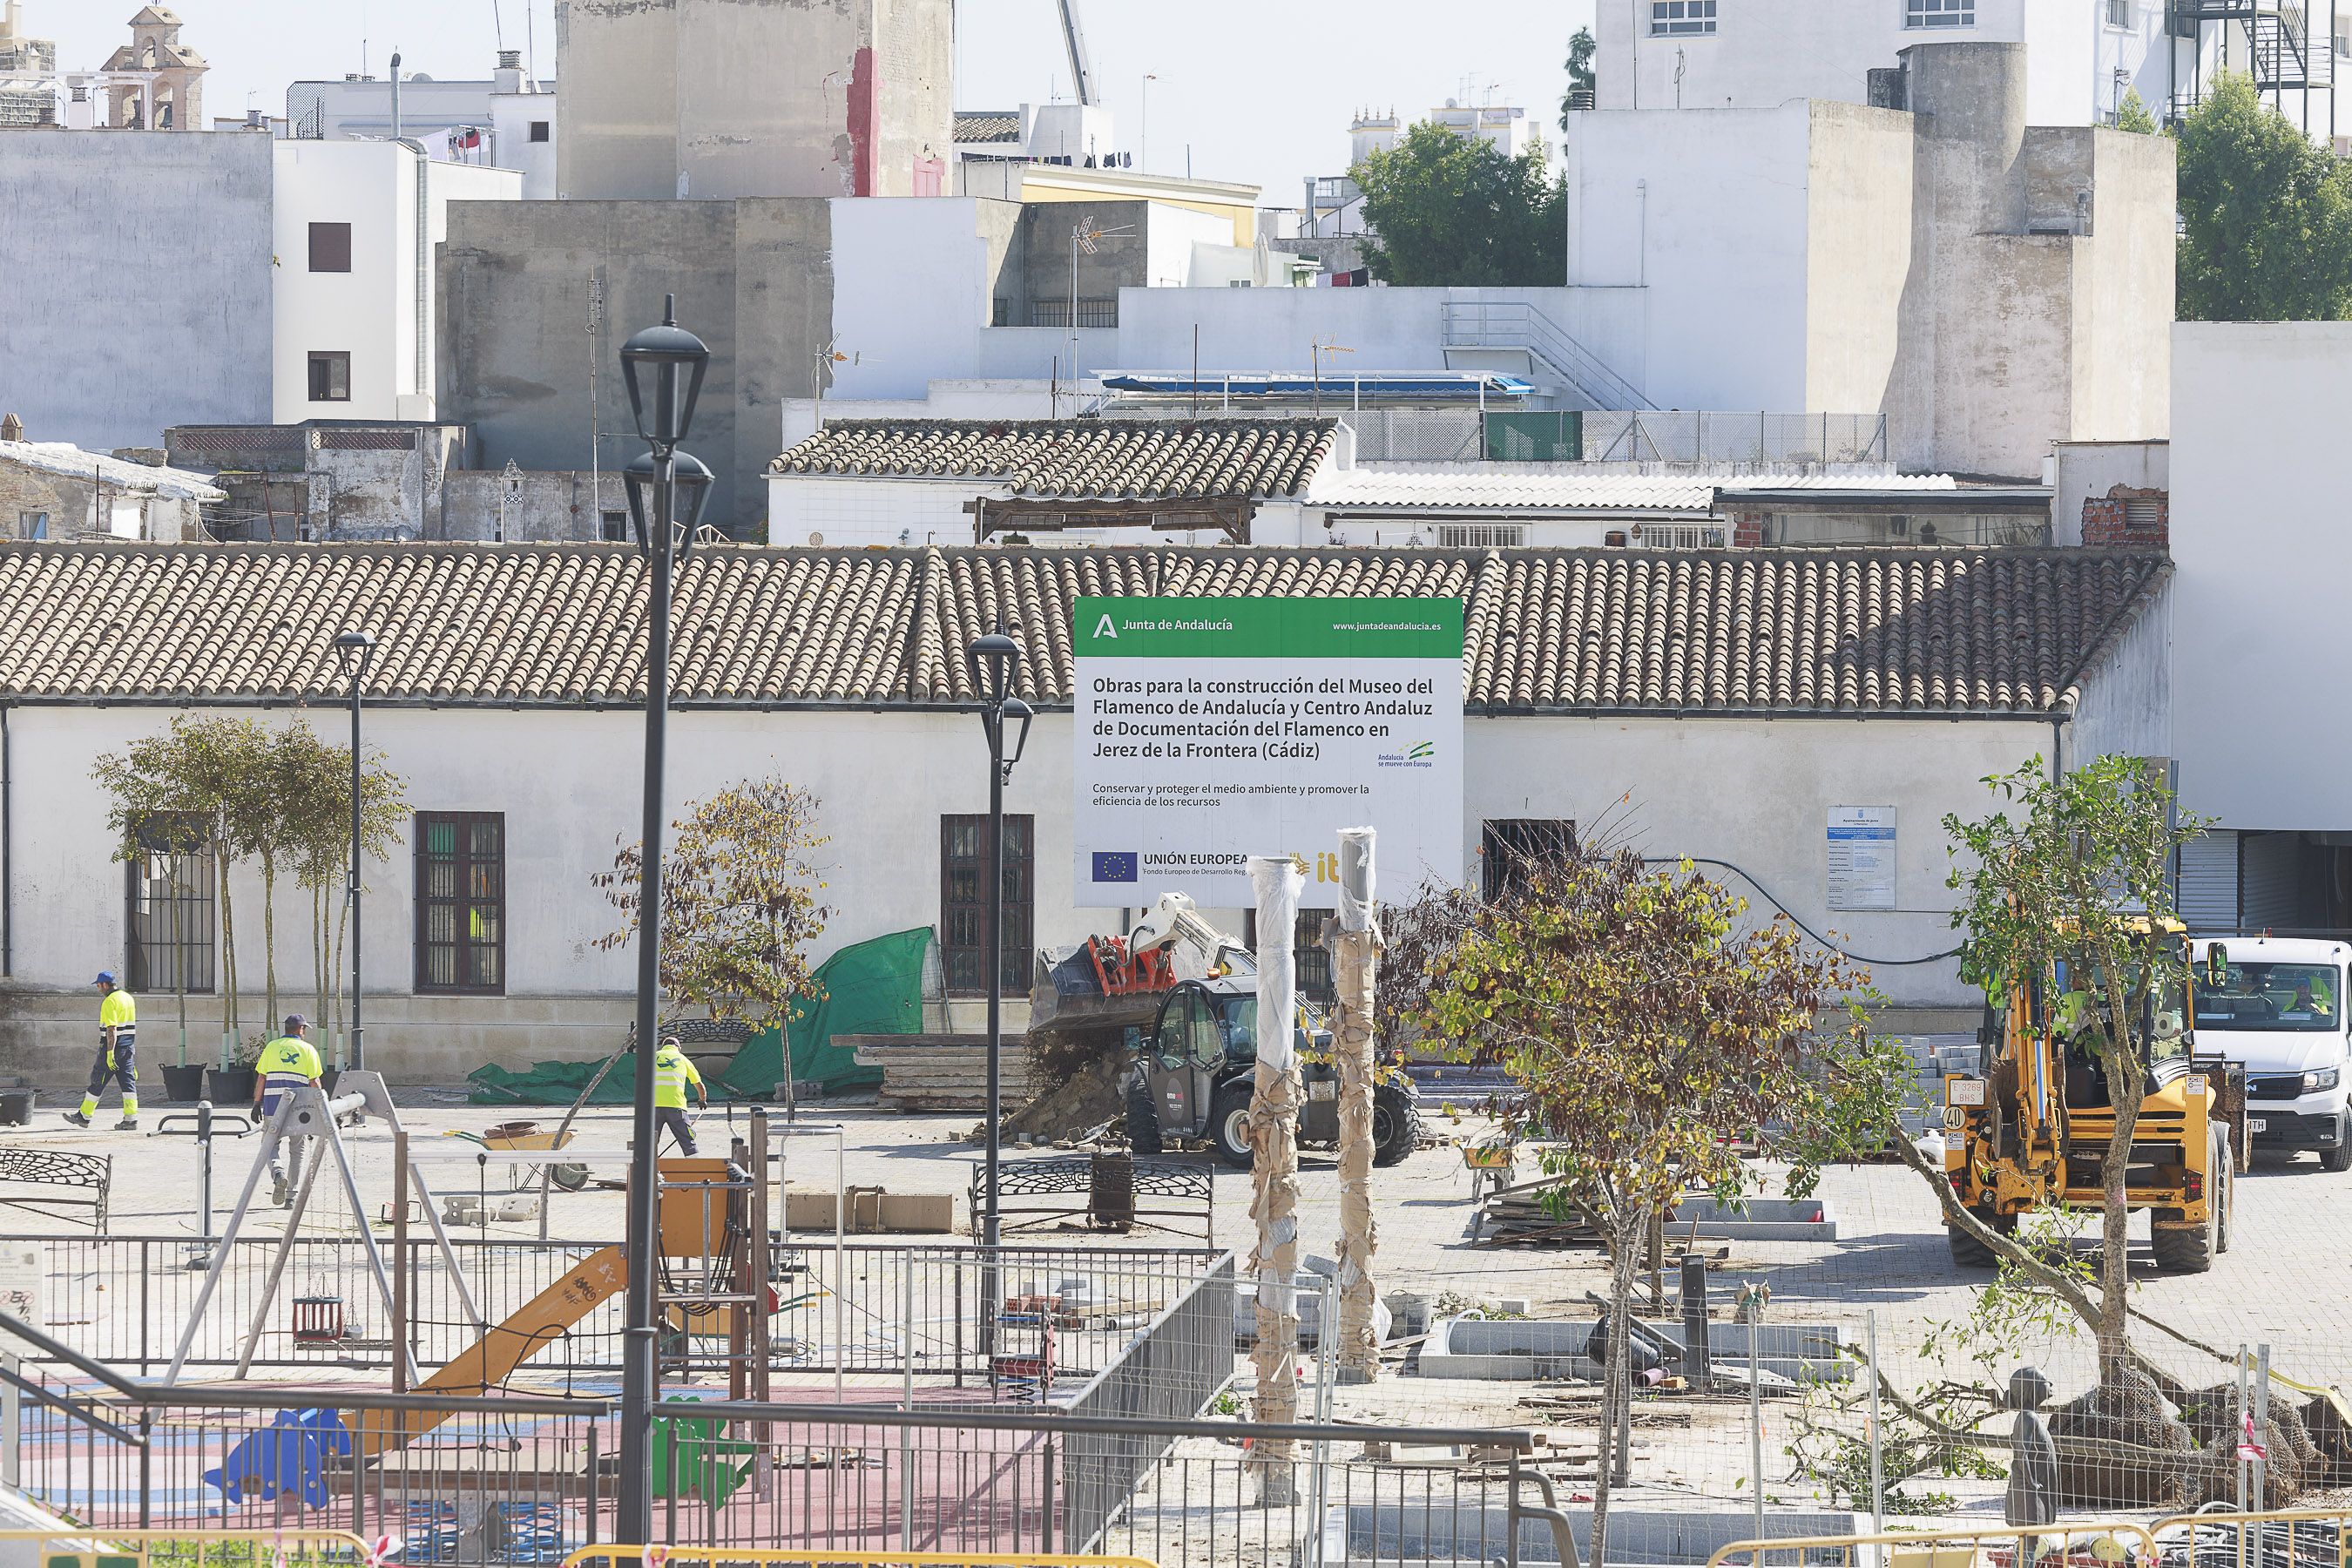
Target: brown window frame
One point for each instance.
(331, 247)
(463, 824)
(1017, 908)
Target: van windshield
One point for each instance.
(2270, 996)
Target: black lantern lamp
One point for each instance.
(664, 366)
(689, 492)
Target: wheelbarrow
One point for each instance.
(522, 1138)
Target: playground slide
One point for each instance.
(486, 1363)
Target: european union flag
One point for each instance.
(1114, 865)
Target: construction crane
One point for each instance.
(1074, 42)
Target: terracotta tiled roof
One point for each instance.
(1771, 631)
(1077, 459)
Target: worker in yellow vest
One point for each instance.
(285, 1063)
(672, 1073)
(117, 1055)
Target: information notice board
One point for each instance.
(1211, 730)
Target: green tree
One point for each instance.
(1650, 1035)
(1580, 75)
(1447, 210)
(2132, 114)
(2072, 870)
(739, 902)
(2265, 216)
(314, 783)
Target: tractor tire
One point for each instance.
(1142, 1120)
(2338, 1159)
(1968, 1252)
(2191, 1251)
(1229, 1124)
(1396, 1125)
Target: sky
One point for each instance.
(1259, 91)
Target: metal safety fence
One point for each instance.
(859, 1307)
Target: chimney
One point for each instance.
(12, 428)
(509, 59)
(253, 120)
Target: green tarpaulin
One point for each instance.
(871, 988)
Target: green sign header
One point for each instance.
(1266, 628)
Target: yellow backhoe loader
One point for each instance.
(2030, 1129)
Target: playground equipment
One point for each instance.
(307, 1112)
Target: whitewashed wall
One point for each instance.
(1754, 794)
(2260, 470)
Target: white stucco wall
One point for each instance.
(910, 293)
(371, 311)
(1753, 793)
(846, 510)
(1688, 234)
(2260, 470)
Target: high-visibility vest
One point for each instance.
(287, 1061)
(672, 1073)
(116, 1010)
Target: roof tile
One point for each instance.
(1077, 459)
(1884, 630)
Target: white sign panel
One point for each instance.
(1862, 857)
(1211, 730)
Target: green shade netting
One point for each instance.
(868, 988)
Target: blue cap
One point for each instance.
(105, 977)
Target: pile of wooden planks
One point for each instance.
(928, 1073)
(1519, 1216)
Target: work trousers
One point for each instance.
(122, 1066)
(673, 1120)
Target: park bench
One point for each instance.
(1109, 1192)
(55, 1180)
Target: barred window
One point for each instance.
(171, 883)
(964, 902)
(1057, 312)
(461, 901)
(1508, 846)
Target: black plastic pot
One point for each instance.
(15, 1107)
(230, 1087)
(184, 1084)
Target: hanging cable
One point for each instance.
(1841, 952)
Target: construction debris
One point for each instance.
(927, 1073)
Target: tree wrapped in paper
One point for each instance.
(1274, 1164)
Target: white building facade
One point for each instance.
(353, 228)
(2257, 484)
(509, 709)
(506, 121)
(2084, 56)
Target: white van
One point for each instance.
(2276, 1004)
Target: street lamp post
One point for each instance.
(355, 649)
(664, 366)
(991, 660)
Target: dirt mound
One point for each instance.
(1085, 1095)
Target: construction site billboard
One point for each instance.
(1210, 730)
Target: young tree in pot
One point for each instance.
(1650, 1031)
